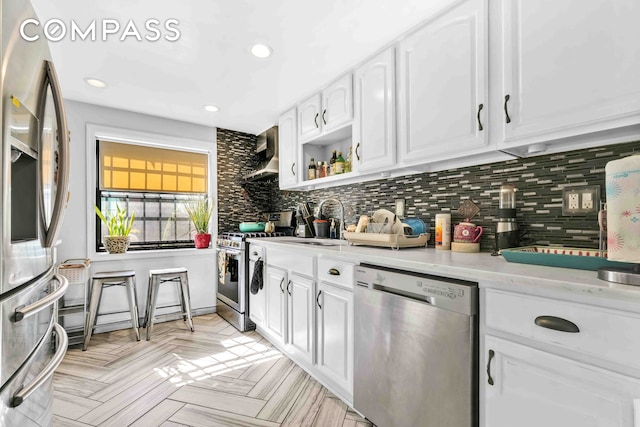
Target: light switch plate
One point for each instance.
(580, 200)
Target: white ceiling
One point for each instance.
(313, 42)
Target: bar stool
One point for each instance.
(158, 277)
(126, 278)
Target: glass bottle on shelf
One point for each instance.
(347, 163)
(339, 164)
(318, 167)
(332, 163)
(312, 169)
(322, 171)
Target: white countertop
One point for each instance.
(489, 271)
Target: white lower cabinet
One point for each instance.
(309, 315)
(334, 308)
(276, 313)
(300, 301)
(526, 387)
(554, 363)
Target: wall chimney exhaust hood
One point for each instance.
(267, 149)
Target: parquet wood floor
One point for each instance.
(215, 376)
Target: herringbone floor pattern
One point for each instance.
(215, 376)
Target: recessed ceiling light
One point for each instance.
(100, 84)
(211, 108)
(261, 50)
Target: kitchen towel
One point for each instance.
(222, 265)
(623, 209)
(256, 279)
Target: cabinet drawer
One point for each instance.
(297, 261)
(604, 333)
(336, 272)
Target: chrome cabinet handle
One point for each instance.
(31, 309)
(281, 282)
(51, 78)
(506, 111)
(62, 342)
(357, 154)
(324, 120)
(491, 354)
(315, 120)
(557, 324)
(334, 272)
(317, 300)
(293, 165)
(480, 107)
(288, 286)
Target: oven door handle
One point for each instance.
(231, 252)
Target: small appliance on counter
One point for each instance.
(466, 235)
(623, 220)
(507, 233)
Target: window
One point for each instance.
(153, 183)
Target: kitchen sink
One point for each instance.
(320, 243)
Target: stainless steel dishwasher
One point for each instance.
(416, 349)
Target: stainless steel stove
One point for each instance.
(233, 271)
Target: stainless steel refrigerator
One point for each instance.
(33, 185)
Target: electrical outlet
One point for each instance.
(587, 201)
(574, 201)
(580, 200)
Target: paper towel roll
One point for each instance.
(623, 209)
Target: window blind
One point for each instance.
(130, 167)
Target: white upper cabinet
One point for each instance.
(337, 103)
(443, 81)
(309, 118)
(570, 67)
(326, 111)
(374, 130)
(288, 164)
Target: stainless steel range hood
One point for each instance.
(267, 148)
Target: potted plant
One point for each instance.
(119, 227)
(200, 211)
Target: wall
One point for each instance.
(539, 181)
(239, 201)
(201, 263)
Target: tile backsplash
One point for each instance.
(238, 202)
(539, 181)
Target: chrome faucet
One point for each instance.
(341, 212)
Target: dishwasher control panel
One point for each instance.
(442, 292)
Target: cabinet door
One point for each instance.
(309, 120)
(335, 336)
(569, 67)
(374, 130)
(276, 323)
(288, 150)
(257, 302)
(532, 388)
(300, 306)
(443, 86)
(337, 103)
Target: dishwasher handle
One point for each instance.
(411, 295)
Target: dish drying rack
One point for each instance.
(393, 241)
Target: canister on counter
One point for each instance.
(443, 231)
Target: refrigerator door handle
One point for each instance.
(31, 309)
(63, 159)
(62, 342)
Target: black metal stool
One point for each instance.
(126, 278)
(156, 278)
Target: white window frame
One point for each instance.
(95, 132)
